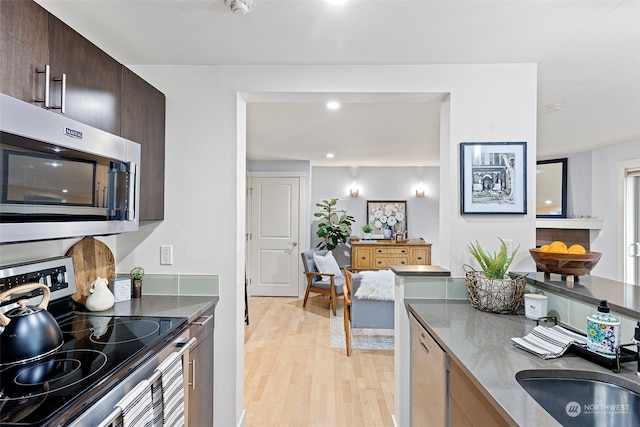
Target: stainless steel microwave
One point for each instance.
(61, 178)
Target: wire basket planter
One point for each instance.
(495, 295)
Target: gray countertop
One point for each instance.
(623, 298)
(190, 307)
(420, 270)
(480, 343)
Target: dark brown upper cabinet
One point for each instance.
(24, 48)
(143, 121)
(32, 39)
(93, 78)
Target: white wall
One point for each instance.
(205, 174)
(381, 183)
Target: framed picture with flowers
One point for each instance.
(387, 217)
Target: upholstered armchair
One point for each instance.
(321, 283)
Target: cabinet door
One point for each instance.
(469, 407)
(94, 79)
(23, 48)
(143, 121)
(419, 256)
(362, 258)
(200, 399)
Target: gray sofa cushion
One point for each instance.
(371, 314)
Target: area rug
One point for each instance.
(362, 339)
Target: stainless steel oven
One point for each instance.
(61, 178)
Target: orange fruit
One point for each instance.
(576, 249)
(558, 247)
(545, 248)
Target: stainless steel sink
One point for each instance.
(584, 398)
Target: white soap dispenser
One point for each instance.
(603, 331)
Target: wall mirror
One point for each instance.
(551, 188)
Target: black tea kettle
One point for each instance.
(28, 332)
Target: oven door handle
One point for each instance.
(184, 346)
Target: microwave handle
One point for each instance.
(133, 171)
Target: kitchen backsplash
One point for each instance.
(176, 284)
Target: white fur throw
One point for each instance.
(377, 285)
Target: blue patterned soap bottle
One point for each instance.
(603, 331)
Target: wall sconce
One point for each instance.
(353, 190)
(420, 190)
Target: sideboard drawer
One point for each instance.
(382, 255)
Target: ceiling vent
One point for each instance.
(240, 7)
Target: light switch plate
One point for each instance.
(166, 254)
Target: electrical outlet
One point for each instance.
(166, 254)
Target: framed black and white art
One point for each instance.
(493, 177)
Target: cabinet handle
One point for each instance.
(192, 384)
(63, 93)
(47, 74)
(202, 322)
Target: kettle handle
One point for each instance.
(28, 287)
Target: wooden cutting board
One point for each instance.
(91, 259)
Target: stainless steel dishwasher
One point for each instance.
(429, 379)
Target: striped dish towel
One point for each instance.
(136, 406)
(172, 387)
(549, 343)
(156, 397)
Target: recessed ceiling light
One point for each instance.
(547, 202)
(329, 155)
(333, 105)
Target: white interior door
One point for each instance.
(274, 236)
(632, 227)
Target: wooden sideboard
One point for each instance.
(385, 253)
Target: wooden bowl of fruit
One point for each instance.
(560, 259)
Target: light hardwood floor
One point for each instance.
(293, 378)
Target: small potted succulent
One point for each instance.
(137, 274)
(367, 229)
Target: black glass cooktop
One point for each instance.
(97, 353)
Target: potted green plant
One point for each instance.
(367, 229)
(493, 265)
(137, 274)
(491, 289)
(334, 226)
